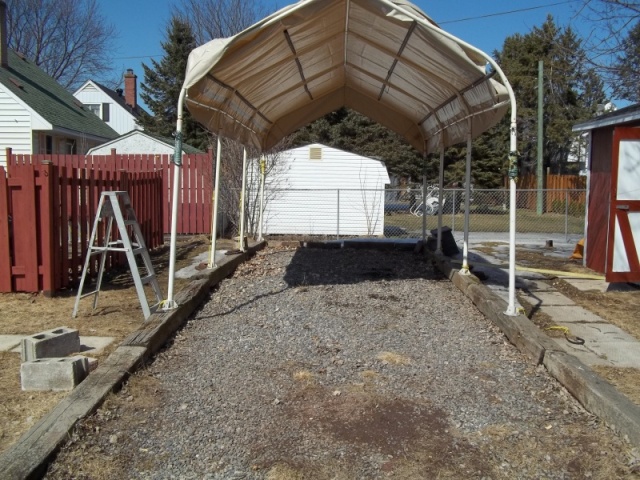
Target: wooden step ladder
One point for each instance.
(117, 205)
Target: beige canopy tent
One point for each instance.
(383, 58)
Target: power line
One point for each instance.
(136, 57)
(497, 14)
(509, 12)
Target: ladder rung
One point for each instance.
(137, 251)
(87, 294)
(148, 279)
(130, 222)
(96, 250)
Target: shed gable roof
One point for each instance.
(169, 142)
(49, 99)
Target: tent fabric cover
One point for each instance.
(385, 59)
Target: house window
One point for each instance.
(105, 112)
(94, 108)
(48, 145)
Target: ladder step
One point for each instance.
(87, 294)
(148, 279)
(97, 250)
(130, 222)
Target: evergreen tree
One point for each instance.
(572, 91)
(627, 67)
(163, 82)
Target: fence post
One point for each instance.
(47, 216)
(124, 181)
(5, 232)
(338, 218)
(566, 215)
(453, 212)
(8, 153)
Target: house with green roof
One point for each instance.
(38, 115)
(139, 141)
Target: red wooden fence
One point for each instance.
(46, 218)
(555, 191)
(196, 189)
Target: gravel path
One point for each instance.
(345, 364)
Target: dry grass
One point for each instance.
(19, 410)
(303, 376)
(618, 308)
(118, 314)
(626, 380)
(283, 472)
(393, 358)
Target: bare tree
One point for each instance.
(231, 182)
(610, 21)
(220, 18)
(68, 39)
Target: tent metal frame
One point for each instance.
(511, 308)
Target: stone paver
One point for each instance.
(545, 299)
(572, 314)
(9, 342)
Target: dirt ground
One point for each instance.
(117, 315)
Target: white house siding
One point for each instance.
(303, 198)
(120, 119)
(134, 143)
(15, 126)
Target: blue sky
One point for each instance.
(141, 24)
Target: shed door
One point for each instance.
(624, 217)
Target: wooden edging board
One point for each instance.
(596, 394)
(29, 457)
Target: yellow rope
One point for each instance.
(564, 330)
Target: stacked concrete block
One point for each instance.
(54, 373)
(46, 365)
(58, 342)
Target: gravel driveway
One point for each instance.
(341, 364)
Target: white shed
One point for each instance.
(138, 141)
(319, 190)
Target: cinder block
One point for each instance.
(54, 373)
(58, 342)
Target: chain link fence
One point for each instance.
(399, 213)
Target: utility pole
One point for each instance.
(540, 170)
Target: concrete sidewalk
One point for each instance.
(604, 343)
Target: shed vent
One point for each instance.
(315, 153)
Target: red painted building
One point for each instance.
(612, 227)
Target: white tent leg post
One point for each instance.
(512, 310)
(262, 175)
(467, 193)
(170, 303)
(424, 200)
(242, 197)
(216, 197)
(440, 195)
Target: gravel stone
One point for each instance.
(349, 364)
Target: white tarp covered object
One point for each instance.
(383, 58)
